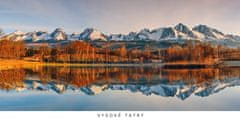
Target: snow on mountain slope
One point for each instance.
(184, 31)
(117, 37)
(208, 32)
(37, 35)
(15, 36)
(59, 34)
(151, 35)
(120, 37)
(92, 34)
(74, 36)
(233, 37)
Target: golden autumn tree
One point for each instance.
(12, 49)
(123, 52)
(44, 53)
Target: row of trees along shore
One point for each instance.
(84, 52)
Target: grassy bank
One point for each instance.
(11, 64)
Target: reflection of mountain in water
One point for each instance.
(180, 83)
(179, 90)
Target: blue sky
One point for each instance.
(117, 16)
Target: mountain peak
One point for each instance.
(59, 34)
(59, 29)
(209, 32)
(201, 28)
(92, 34)
(184, 29)
(181, 27)
(18, 32)
(145, 30)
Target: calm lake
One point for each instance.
(120, 88)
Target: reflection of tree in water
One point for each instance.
(84, 76)
(193, 76)
(12, 79)
(122, 75)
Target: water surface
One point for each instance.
(120, 88)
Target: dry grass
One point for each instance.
(13, 64)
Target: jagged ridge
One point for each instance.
(178, 32)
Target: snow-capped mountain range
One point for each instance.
(57, 35)
(178, 32)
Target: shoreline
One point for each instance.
(13, 63)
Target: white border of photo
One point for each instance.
(120, 115)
